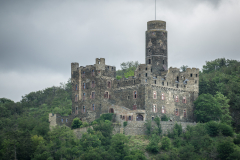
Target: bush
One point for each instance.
(148, 125)
(226, 130)
(85, 124)
(212, 128)
(76, 123)
(225, 149)
(166, 143)
(153, 145)
(164, 118)
(237, 139)
(177, 129)
(125, 123)
(159, 128)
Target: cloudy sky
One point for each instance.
(40, 39)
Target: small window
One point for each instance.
(176, 99)
(149, 50)
(76, 87)
(83, 74)
(139, 75)
(84, 86)
(154, 95)
(62, 120)
(66, 120)
(177, 78)
(135, 94)
(163, 61)
(133, 81)
(146, 68)
(112, 68)
(152, 118)
(146, 80)
(98, 62)
(106, 95)
(149, 61)
(184, 113)
(120, 116)
(84, 110)
(93, 84)
(93, 73)
(167, 83)
(129, 118)
(93, 95)
(83, 96)
(196, 75)
(123, 117)
(146, 74)
(111, 110)
(163, 83)
(151, 69)
(134, 107)
(162, 97)
(163, 109)
(176, 112)
(128, 97)
(109, 84)
(154, 108)
(93, 107)
(108, 67)
(177, 86)
(191, 75)
(196, 81)
(76, 98)
(139, 68)
(155, 82)
(184, 100)
(173, 96)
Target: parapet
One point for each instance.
(157, 24)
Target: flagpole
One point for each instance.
(155, 9)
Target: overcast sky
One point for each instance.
(40, 39)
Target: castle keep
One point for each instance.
(153, 91)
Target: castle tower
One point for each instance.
(156, 46)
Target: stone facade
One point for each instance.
(154, 90)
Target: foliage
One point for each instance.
(125, 123)
(226, 130)
(153, 144)
(158, 129)
(127, 69)
(148, 125)
(85, 124)
(212, 128)
(184, 68)
(166, 143)
(237, 139)
(164, 118)
(76, 123)
(106, 116)
(178, 129)
(207, 108)
(135, 155)
(225, 149)
(106, 129)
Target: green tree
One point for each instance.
(159, 128)
(225, 149)
(166, 143)
(76, 123)
(207, 108)
(184, 68)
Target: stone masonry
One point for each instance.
(154, 90)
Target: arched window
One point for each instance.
(139, 117)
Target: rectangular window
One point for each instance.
(84, 109)
(76, 110)
(93, 73)
(120, 116)
(134, 94)
(176, 99)
(134, 107)
(163, 109)
(83, 74)
(154, 95)
(83, 96)
(66, 120)
(162, 97)
(76, 98)
(152, 118)
(184, 100)
(184, 113)
(154, 108)
(129, 118)
(155, 82)
(163, 83)
(93, 95)
(128, 97)
(93, 84)
(62, 120)
(76, 87)
(84, 86)
(93, 107)
(176, 112)
(146, 74)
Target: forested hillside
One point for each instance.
(25, 134)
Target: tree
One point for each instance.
(225, 149)
(207, 108)
(184, 68)
(158, 129)
(127, 69)
(76, 123)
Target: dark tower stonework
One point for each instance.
(156, 46)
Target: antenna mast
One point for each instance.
(155, 9)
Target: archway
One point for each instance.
(111, 110)
(139, 117)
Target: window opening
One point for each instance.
(93, 84)
(163, 83)
(93, 95)
(135, 94)
(76, 87)
(154, 95)
(163, 61)
(154, 108)
(176, 112)
(66, 120)
(93, 72)
(83, 96)
(146, 74)
(129, 118)
(111, 110)
(162, 97)
(177, 78)
(76, 110)
(106, 95)
(134, 107)
(76, 98)
(163, 109)
(191, 75)
(146, 68)
(112, 68)
(83, 74)
(98, 62)
(84, 86)
(93, 107)
(149, 61)
(184, 113)
(196, 75)
(139, 75)
(184, 99)
(109, 84)
(120, 116)
(167, 83)
(152, 118)
(177, 85)
(176, 99)
(151, 69)
(146, 80)
(128, 97)
(123, 117)
(139, 117)
(62, 120)
(195, 81)
(155, 82)
(84, 109)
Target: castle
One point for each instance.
(153, 91)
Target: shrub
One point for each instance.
(159, 128)
(164, 118)
(85, 124)
(94, 122)
(177, 142)
(237, 139)
(166, 143)
(148, 125)
(177, 129)
(153, 145)
(212, 128)
(224, 149)
(125, 123)
(76, 123)
(226, 130)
